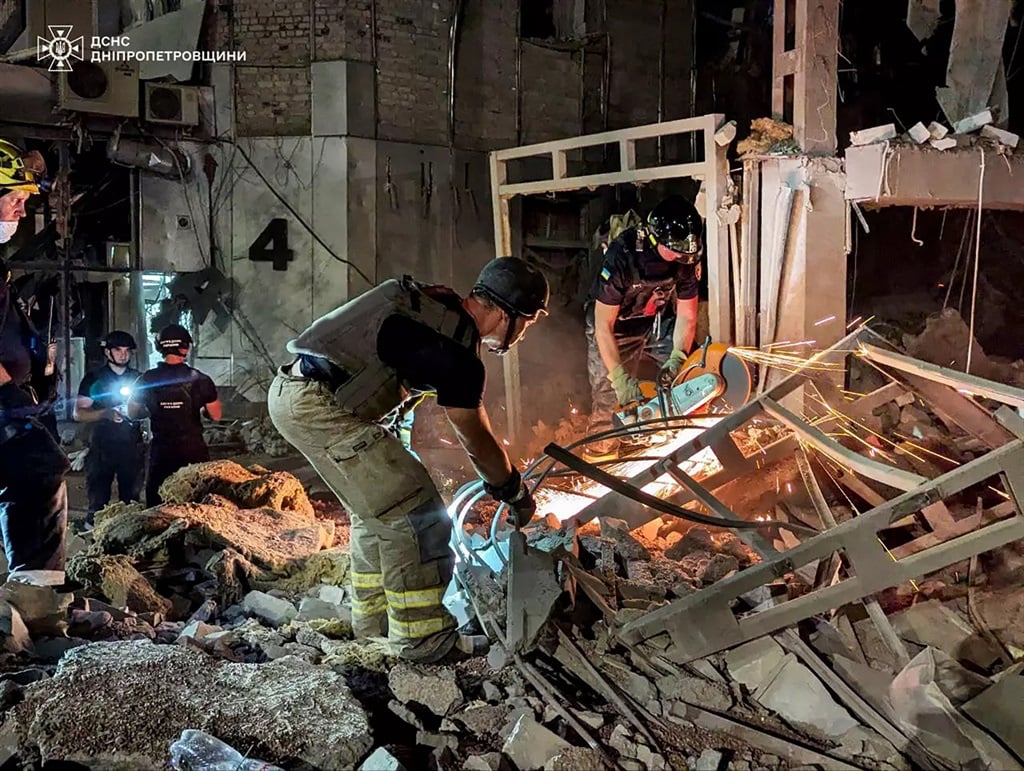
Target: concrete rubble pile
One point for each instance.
(225, 611)
(926, 677)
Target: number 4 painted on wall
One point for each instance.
(272, 245)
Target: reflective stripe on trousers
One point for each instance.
(400, 530)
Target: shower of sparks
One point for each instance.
(910, 440)
(824, 320)
(773, 346)
(787, 362)
(564, 503)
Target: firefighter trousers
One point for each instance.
(401, 559)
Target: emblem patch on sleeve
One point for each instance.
(606, 274)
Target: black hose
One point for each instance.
(577, 464)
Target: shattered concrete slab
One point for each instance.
(77, 716)
(753, 663)
(43, 610)
(925, 697)
(694, 690)
(434, 688)
(796, 694)
(932, 624)
(14, 636)
(273, 610)
(530, 745)
(998, 710)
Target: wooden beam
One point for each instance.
(961, 381)
(875, 612)
(872, 469)
(955, 409)
(503, 248)
(793, 753)
(634, 176)
(647, 131)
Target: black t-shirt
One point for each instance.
(104, 386)
(14, 337)
(427, 361)
(630, 278)
(173, 395)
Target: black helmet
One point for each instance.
(119, 339)
(173, 339)
(675, 224)
(515, 286)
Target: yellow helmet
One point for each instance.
(14, 174)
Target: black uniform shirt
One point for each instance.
(428, 361)
(104, 386)
(14, 337)
(640, 282)
(173, 394)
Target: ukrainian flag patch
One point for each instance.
(606, 274)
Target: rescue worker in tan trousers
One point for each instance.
(356, 372)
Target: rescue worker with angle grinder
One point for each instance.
(174, 395)
(115, 447)
(641, 316)
(33, 493)
(356, 369)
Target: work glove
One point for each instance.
(670, 369)
(517, 495)
(627, 387)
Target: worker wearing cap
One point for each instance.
(33, 493)
(642, 311)
(115, 446)
(174, 395)
(356, 369)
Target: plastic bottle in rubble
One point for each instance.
(198, 751)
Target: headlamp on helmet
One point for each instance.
(21, 171)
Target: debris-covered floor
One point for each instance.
(224, 613)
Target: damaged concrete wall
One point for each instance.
(391, 208)
(919, 176)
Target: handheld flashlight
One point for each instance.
(126, 391)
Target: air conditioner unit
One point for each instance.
(168, 103)
(106, 88)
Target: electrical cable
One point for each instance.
(295, 214)
(615, 484)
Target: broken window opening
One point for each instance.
(537, 19)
